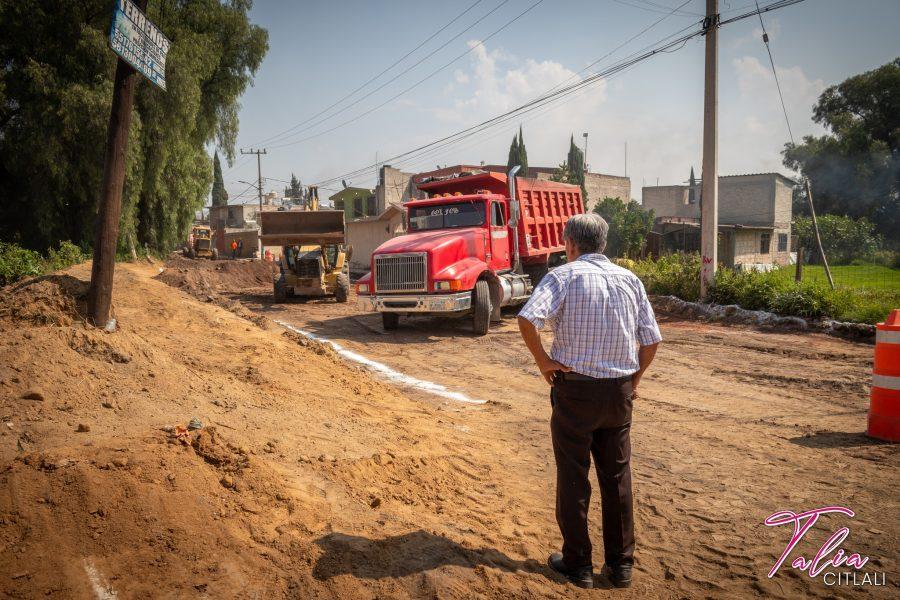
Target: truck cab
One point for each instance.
(469, 251)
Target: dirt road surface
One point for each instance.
(313, 478)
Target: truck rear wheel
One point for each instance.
(390, 321)
(215, 254)
(481, 304)
(342, 289)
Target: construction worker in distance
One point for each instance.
(234, 247)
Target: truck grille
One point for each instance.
(400, 273)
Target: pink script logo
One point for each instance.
(803, 522)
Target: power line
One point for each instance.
(565, 91)
(775, 73)
(418, 83)
(394, 64)
(389, 81)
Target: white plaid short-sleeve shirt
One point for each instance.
(599, 314)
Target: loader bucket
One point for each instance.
(302, 227)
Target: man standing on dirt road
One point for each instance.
(604, 337)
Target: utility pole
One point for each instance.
(110, 209)
(709, 209)
(258, 154)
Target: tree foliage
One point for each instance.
(219, 194)
(854, 170)
(55, 97)
(518, 155)
(629, 226)
(843, 239)
(572, 169)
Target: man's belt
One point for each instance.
(573, 376)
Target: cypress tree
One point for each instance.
(513, 159)
(523, 154)
(219, 195)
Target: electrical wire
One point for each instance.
(415, 85)
(295, 129)
(621, 65)
(774, 73)
(370, 80)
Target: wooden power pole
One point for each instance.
(709, 208)
(110, 209)
(259, 188)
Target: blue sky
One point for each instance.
(321, 51)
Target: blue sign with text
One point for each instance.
(139, 42)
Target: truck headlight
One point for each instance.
(362, 288)
(449, 286)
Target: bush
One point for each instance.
(679, 275)
(17, 262)
(68, 254)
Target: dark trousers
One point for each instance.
(593, 418)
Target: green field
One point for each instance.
(869, 292)
(867, 277)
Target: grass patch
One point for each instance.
(679, 275)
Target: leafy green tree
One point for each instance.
(854, 170)
(843, 239)
(295, 193)
(55, 97)
(629, 226)
(219, 194)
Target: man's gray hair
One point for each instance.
(588, 233)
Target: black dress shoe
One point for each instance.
(582, 577)
(619, 576)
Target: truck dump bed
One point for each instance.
(301, 227)
(545, 206)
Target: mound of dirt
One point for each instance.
(202, 277)
(50, 300)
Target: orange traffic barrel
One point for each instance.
(884, 407)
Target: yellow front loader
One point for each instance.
(314, 262)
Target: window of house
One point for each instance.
(338, 205)
(782, 242)
(370, 205)
(765, 242)
(358, 207)
(497, 215)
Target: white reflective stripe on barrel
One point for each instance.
(883, 336)
(886, 382)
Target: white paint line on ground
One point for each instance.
(102, 589)
(386, 371)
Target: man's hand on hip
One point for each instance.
(549, 368)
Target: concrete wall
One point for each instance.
(235, 216)
(223, 242)
(366, 235)
(748, 245)
(755, 200)
(394, 188)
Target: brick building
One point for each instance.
(755, 213)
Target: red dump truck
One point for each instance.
(477, 243)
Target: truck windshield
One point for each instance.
(446, 216)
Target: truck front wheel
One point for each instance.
(390, 321)
(481, 304)
(280, 290)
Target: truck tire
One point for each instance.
(342, 289)
(215, 254)
(191, 253)
(280, 290)
(481, 305)
(390, 321)
(185, 252)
